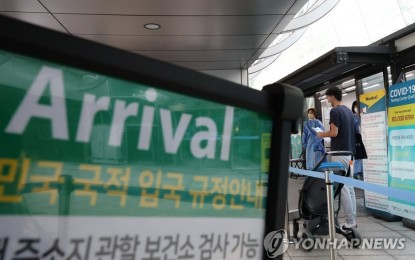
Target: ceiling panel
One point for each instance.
(170, 25)
(215, 65)
(296, 7)
(284, 22)
(170, 7)
(198, 34)
(215, 55)
(41, 19)
(21, 6)
(137, 43)
(261, 49)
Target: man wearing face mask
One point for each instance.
(343, 138)
(312, 144)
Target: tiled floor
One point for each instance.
(369, 227)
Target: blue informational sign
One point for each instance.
(401, 149)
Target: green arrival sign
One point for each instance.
(77, 143)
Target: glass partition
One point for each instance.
(373, 82)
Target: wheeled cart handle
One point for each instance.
(340, 153)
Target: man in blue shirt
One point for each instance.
(343, 138)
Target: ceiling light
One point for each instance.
(365, 83)
(409, 75)
(350, 88)
(347, 83)
(376, 85)
(344, 94)
(152, 26)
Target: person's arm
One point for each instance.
(304, 139)
(320, 124)
(332, 133)
(356, 124)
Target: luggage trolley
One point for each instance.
(312, 204)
